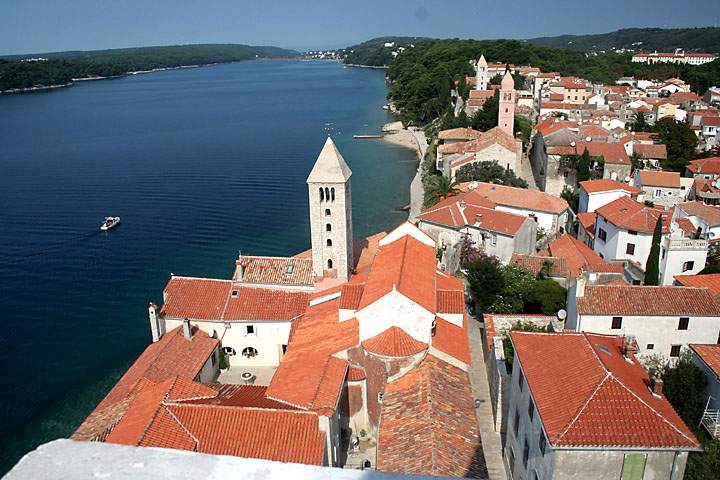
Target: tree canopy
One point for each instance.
(680, 141)
(490, 172)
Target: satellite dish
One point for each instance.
(562, 314)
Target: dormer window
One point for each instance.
(234, 293)
(289, 269)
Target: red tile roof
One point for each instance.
(647, 300)
(607, 185)
(207, 299)
(394, 342)
(613, 153)
(552, 124)
(587, 220)
(705, 165)
(601, 400)
(710, 354)
(356, 373)
(241, 396)
(450, 301)
(708, 213)
(536, 264)
(477, 208)
(653, 178)
(630, 215)
(452, 340)
(350, 296)
(655, 151)
(518, 197)
(579, 256)
(428, 425)
(274, 270)
(307, 365)
(466, 134)
(710, 281)
(406, 265)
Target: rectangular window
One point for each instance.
(683, 323)
(675, 351)
(521, 380)
(602, 234)
(250, 329)
(526, 453)
(616, 323)
(658, 192)
(650, 346)
(543, 444)
(531, 409)
(516, 425)
(633, 466)
(630, 249)
(632, 232)
(688, 266)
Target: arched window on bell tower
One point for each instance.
(332, 193)
(330, 264)
(322, 194)
(329, 242)
(327, 212)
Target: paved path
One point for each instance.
(417, 192)
(491, 444)
(526, 172)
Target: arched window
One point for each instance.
(329, 242)
(330, 264)
(322, 194)
(328, 227)
(332, 193)
(327, 194)
(327, 212)
(249, 352)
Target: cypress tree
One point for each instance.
(652, 269)
(583, 169)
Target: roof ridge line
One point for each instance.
(652, 409)
(227, 302)
(587, 402)
(185, 429)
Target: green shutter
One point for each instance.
(633, 466)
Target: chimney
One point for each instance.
(580, 287)
(478, 218)
(462, 204)
(186, 329)
(241, 267)
(657, 386)
(154, 322)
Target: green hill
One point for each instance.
(62, 67)
(706, 39)
(375, 53)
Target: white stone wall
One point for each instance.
(550, 222)
(615, 246)
(712, 389)
(268, 339)
(593, 201)
(341, 236)
(660, 331)
(494, 153)
(673, 258)
(664, 195)
(394, 309)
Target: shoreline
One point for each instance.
(413, 139)
(357, 65)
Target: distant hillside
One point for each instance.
(375, 53)
(705, 39)
(62, 67)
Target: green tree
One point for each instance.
(523, 126)
(652, 268)
(518, 282)
(583, 168)
(485, 281)
(701, 466)
(487, 117)
(439, 188)
(573, 199)
(508, 349)
(640, 124)
(490, 172)
(684, 387)
(680, 141)
(546, 296)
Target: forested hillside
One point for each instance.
(62, 67)
(375, 53)
(645, 39)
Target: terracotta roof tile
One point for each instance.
(710, 281)
(240, 396)
(628, 214)
(607, 185)
(613, 153)
(356, 373)
(705, 165)
(536, 263)
(452, 340)
(350, 296)
(655, 151)
(394, 342)
(518, 197)
(647, 300)
(460, 133)
(710, 354)
(450, 301)
(274, 270)
(708, 213)
(428, 425)
(587, 220)
(577, 255)
(601, 400)
(207, 299)
(653, 178)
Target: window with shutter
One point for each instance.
(633, 466)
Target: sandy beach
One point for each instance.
(396, 133)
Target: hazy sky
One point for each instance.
(28, 26)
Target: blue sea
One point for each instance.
(200, 164)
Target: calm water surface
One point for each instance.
(199, 163)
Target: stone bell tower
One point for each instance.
(331, 214)
(506, 112)
(481, 74)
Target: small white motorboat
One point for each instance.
(109, 223)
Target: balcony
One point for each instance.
(711, 422)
